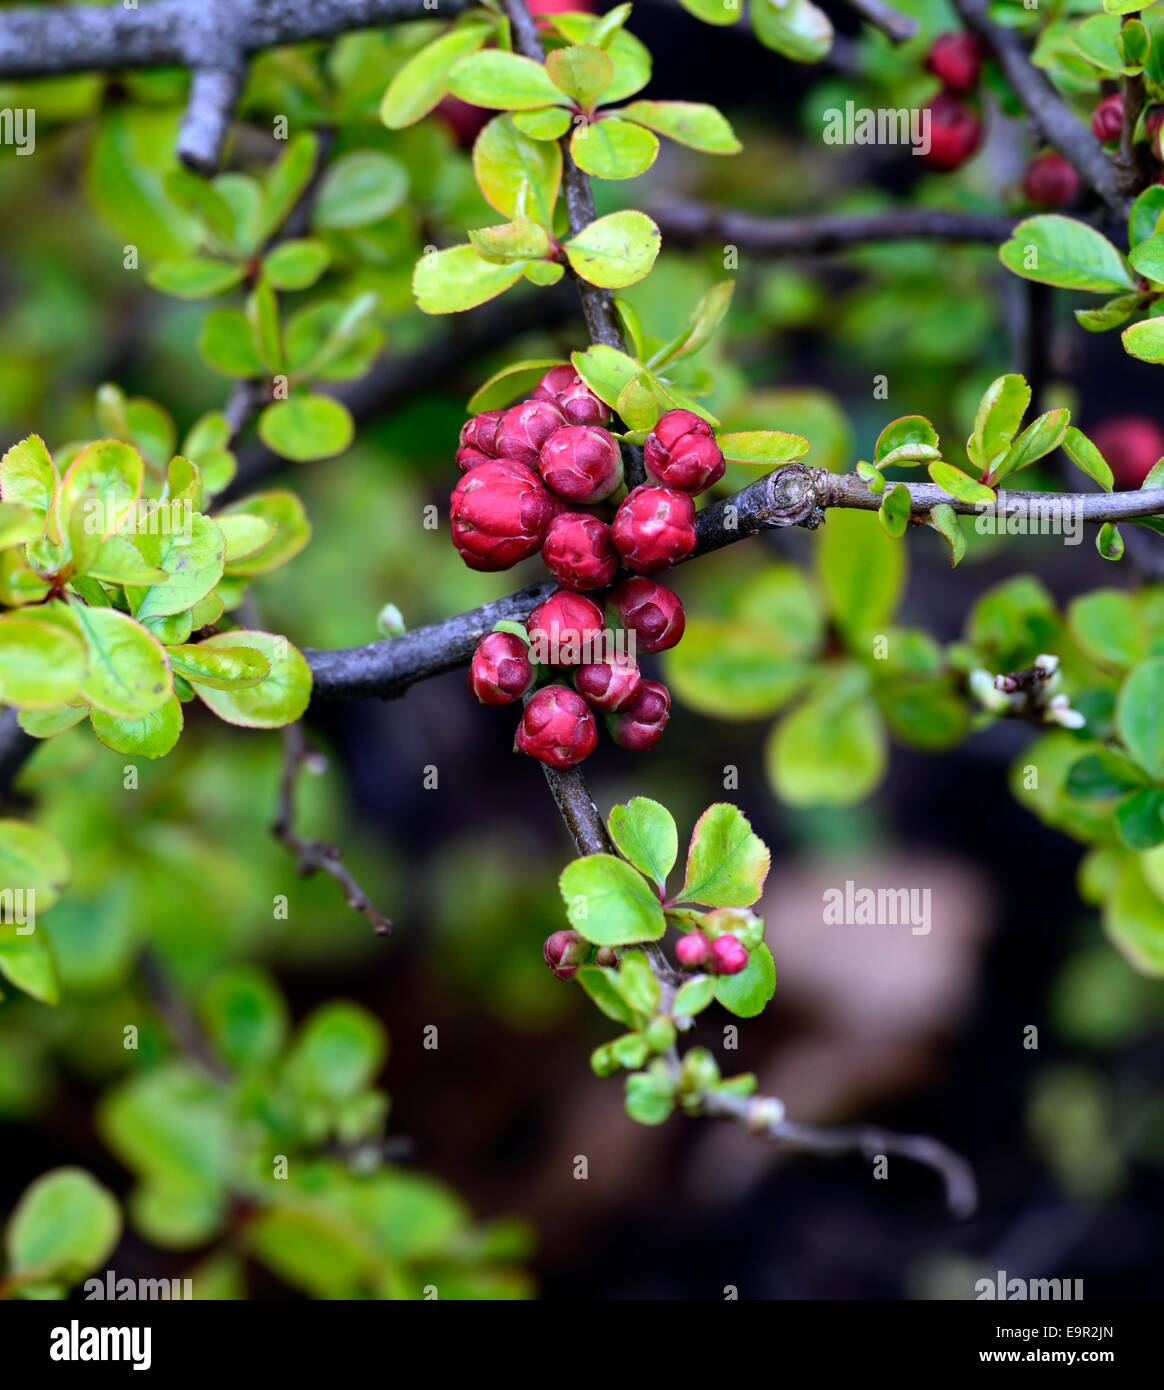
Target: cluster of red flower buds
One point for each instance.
(546, 475)
(955, 128)
(722, 943)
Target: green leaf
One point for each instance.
(28, 963)
(544, 122)
(644, 833)
(119, 561)
(894, 511)
(222, 668)
(196, 277)
(30, 858)
(245, 1016)
(1111, 314)
(227, 345)
(960, 485)
(616, 250)
(632, 60)
(825, 753)
(797, 29)
(520, 240)
(1107, 625)
(1087, 458)
(693, 997)
(27, 474)
(503, 81)
(337, 1052)
(1148, 258)
(519, 176)
(747, 993)
(263, 314)
(459, 278)
(606, 370)
(1145, 340)
(727, 862)
(1000, 413)
(601, 984)
(581, 71)
(1145, 214)
(1102, 775)
(638, 984)
(1039, 438)
(1133, 917)
(306, 427)
(1056, 250)
(296, 265)
(360, 188)
(944, 519)
(1140, 716)
(129, 673)
(510, 383)
(700, 327)
(151, 737)
(284, 512)
(128, 162)
(200, 197)
(193, 564)
(1140, 819)
(423, 81)
(1109, 542)
(862, 570)
(911, 439)
(690, 123)
(733, 670)
(278, 699)
(286, 181)
(334, 340)
(107, 473)
(609, 903)
(613, 149)
(64, 1226)
(170, 1126)
(714, 11)
(762, 446)
(41, 663)
(645, 1101)
(244, 535)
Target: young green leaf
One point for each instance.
(28, 475)
(41, 663)
(32, 859)
(286, 180)
(510, 383)
(960, 485)
(129, 673)
(1056, 250)
(613, 149)
(727, 862)
(945, 520)
(1109, 542)
(520, 240)
(690, 123)
(423, 81)
(700, 327)
(1039, 438)
(644, 833)
(64, 1226)
(544, 122)
(1145, 340)
(762, 446)
(1086, 457)
(150, 737)
(797, 29)
(460, 278)
(296, 265)
(1140, 716)
(616, 250)
(502, 81)
(306, 427)
(519, 176)
(278, 699)
(609, 903)
(581, 71)
(894, 511)
(361, 188)
(912, 439)
(196, 277)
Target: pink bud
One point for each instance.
(499, 512)
(578, 551)
(640, 724)
(581, 463)
(523, 429)
(728, 955)
(692, 949)
(500, 671)
(651, 610)
(564, 952)
(609, 685)
(557, 727)
(653, 528)
(681, 452)
(564, 628)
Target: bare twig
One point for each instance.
(895, 25)
(180, 1020)
(1128, 167)
(685, 220)
(314, 855)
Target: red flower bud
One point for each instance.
(692, 949)
(728, 956)
(480, 432)
(581, 463)
(564, 952)
(499, 513)
(523, 429)
(956, 61)
(609, 685)
(1152, 124)
(639, 725)
(1050, 181)
(557, 727)
(652, 611)
(653, 528)
(563, 627)
(1132, 445)
(578, 551)
(955, 131)
(572, 396)
(469, 456)
(1107, 120)
(500, 671)
(681, 452)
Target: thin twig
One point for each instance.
(895, 25)
(314, 855)
(1127, 163)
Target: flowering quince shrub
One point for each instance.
(425, 171)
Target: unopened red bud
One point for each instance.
(523, 429)
(681, 452)
(581, 463)
(606, 955)
(956, 61)
(1050, 181)
(579, 552)
(650, 610)
(557, 727)
(500, 671)
(468, 456)
(573, 397)
(955, 132)
(564, 952)
(728, 955)
(1132, 445)
(1107, 120)
(692, 949)
(654, 527)
(499, 512)
(565, 629)
(639, 725)
(480, 432)
(609, 685)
